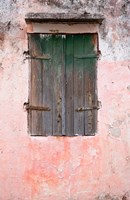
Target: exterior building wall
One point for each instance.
(67, 168)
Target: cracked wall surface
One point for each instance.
(87, 168)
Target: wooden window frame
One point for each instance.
(63, 25)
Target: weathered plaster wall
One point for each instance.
(87, 168)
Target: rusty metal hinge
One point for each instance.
(39, 108)
(96, 107)
(40, 57)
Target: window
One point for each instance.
(62, 99)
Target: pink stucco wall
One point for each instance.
(76, 168)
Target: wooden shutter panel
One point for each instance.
(46, 91)
(80, 63)
(35, 97)
(41, 76)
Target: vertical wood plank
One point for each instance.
(57, 65)
(36, 97)
(63, 86)
(46, 45)
(78, 85)
(69, 87)
(90, 84)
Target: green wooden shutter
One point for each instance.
(63, 82)
(80, 63)
(46, 53)
(40, 48)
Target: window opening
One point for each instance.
(63, 93)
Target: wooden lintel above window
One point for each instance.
(64, 18)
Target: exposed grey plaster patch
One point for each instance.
(4, 27)
(108, 196)
(88, 5)
(103, 30)
(114, 131)
(1, 68)
(128, 88)
(57, 3)
(117, 123)
(101, 5)
(92, 151)
(125, 7)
